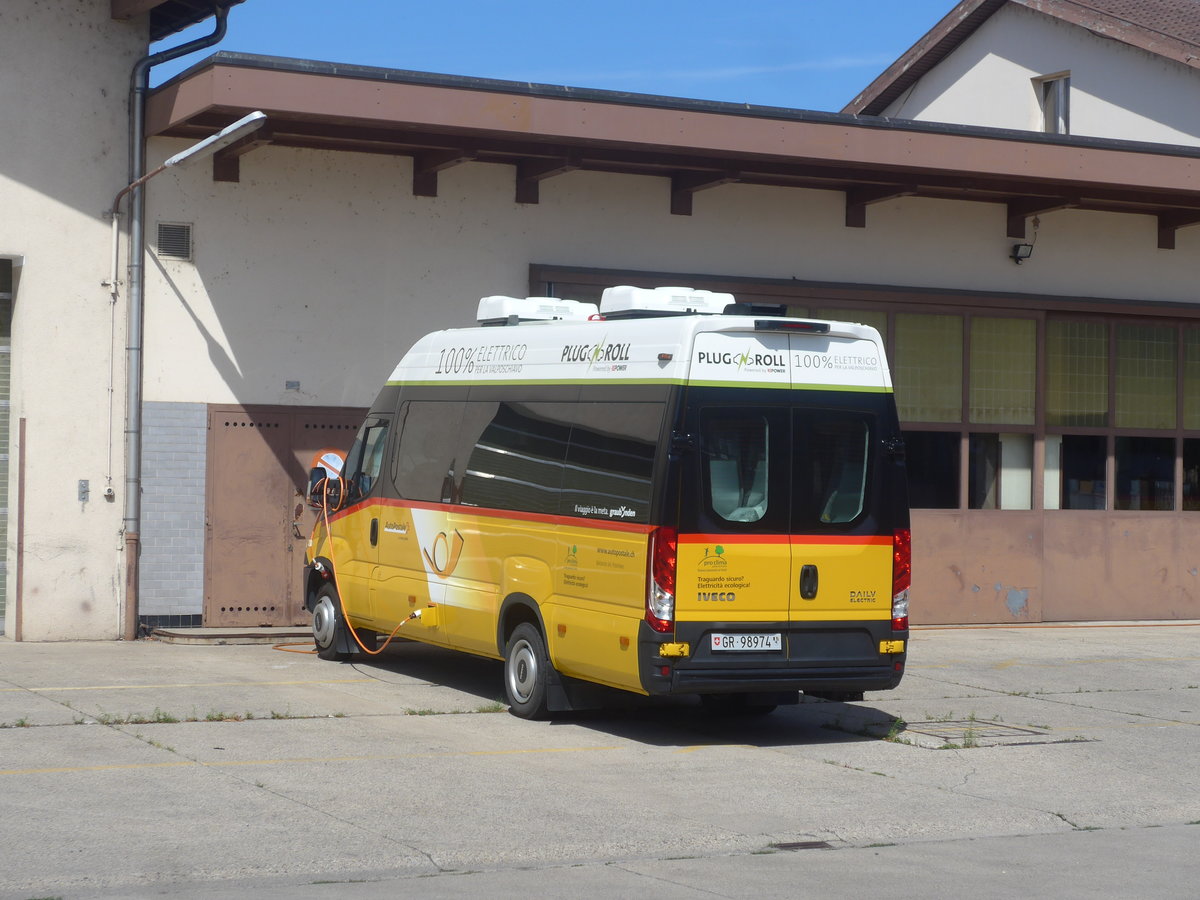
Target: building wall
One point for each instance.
(322, 268)
(64, 76)
(1117, 91)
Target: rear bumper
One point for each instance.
(816, 656)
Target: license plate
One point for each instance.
(747, 642)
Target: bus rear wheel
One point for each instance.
(526, 670)
(329, 626)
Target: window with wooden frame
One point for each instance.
(1018, 409)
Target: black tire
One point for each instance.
(330, 631)
(526, 671)
(735, 705)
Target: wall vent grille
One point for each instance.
(174, 240)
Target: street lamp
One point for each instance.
(205, 148)
(131, 525)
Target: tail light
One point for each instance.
(901, 577)
(660, 587)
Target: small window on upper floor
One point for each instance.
(1054, 94)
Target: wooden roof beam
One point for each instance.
(1021, 209)
(427, 165)
(683, 185)
(1169, 223)
(532, 172)
(858, 199)
(226, 164)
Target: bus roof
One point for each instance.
(715, 350)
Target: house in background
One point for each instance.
(1051, 405)
(1123, 69)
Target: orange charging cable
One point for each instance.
(415, 614)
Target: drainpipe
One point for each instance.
(131, 527)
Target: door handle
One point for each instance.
(374, 532)
(808, 582)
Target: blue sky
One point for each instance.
(807, 54)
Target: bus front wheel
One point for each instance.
(329, 625)
(526, 670)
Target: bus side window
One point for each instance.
(425, 466)
(366, 458)
(610, 460)
(516, 462)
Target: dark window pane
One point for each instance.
(610, 461)
(834, 458)
(1145, 473)
(1083, 467)
(425, 461)
(517, 461)
(1191, 474)
(932, 459)
(984, 472)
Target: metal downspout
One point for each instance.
(131, 526)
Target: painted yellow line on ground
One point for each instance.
(222, 764)
(1058, 664)
(1063, 663)
(61, 770)
(135, 687)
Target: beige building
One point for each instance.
(1052, 406)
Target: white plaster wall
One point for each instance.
(1117, 91)
(64, 74)
(323, 268)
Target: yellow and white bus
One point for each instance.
(671, 493)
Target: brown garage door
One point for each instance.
(257, 470)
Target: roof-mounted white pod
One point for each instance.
(663, 299)
(510, 310)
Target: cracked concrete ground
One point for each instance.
(1049, 761)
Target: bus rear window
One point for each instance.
(837, 450)
(735, 463)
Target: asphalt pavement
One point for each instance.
(1011, 761)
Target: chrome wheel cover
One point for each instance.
(324, 621)
(521, 671)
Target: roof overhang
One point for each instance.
(542, 131)
(169, 16)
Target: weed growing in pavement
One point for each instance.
(894, 730)
(494, 706)
(422, 712)
(970, 736)
(159, 745)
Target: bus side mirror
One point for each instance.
(325, 487)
